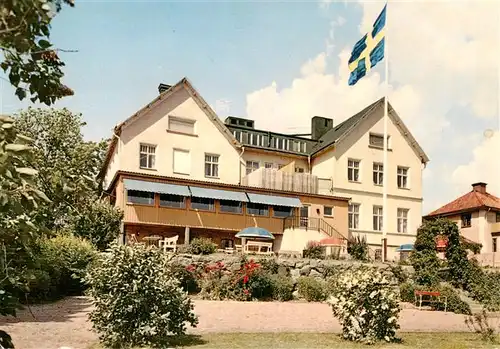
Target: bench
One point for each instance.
(434, 297)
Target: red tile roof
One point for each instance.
(468, 202)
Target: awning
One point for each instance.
(274, 200)
(216, 194)
(255, 232)
(405, 248)
(155, 187)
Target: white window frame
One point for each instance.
(324, 213)
(378, 171)
(149, 150)
(252, 166)
(212, 160)
(402, 221)
(378, 218)
(353, 213)
(184, 123)
(403, 177)
(353, 168)
(180, 171)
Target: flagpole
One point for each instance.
(386, 117)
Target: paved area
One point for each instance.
(65, 324)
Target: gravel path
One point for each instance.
(65, 323)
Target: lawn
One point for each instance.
(326, 340)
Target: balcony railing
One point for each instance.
(280, 180)
(312, 223)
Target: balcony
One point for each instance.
(282, 180)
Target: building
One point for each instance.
(477, 215)
(178, 136)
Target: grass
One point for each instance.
(324, 340)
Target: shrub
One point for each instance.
(282, 288)
(399, 273)
(63, 262)
(484, 325)
(187, 276)
(314, 250)
(357, 247)
(269, 265)
(367, 305)
(137, 300)
(202, 246)
(312, 289)
(260, 285)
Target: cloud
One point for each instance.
(222, 107)
(485, 167)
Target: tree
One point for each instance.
(29, 58)
(67, 164)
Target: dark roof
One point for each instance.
(473, 200)
(341, 129)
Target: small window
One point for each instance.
(174, 201)
(252, 166)
(466, 220)
(302, 147)
(280, 166)
(244, 137)
(202, 204)
(181, 125)
(353, 170)
(268, 165)
(328, 211)
(237, 135)
(257, 209)
(230, 206)
(494, 245)
(282, 211)
(147, 156)
(377, 141)
(402, 220)
(402, 177)
(299, 170)
(212, 166)
(378, 174)
(181, 161)
(353, 216)
(140, 197)
(497, 217)
(378, 214)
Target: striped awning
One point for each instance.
(274, 200)
(156, 187)
(199, 192)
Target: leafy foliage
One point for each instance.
(29, 59)
(282, 287)
(485, 325)
(357, 247)
(137, 300)
(314, 250)
(367, 305)
(202, 246)
(312, 289)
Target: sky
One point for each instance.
(280, 63)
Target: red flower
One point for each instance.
(245, 279)
(190, 268)
(245, 292)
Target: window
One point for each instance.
(140, 197)
(378, 174)
(226, 243)
(494, 244)
(147, 155)
(202, 204)
(175, 201)
(211, 165)
(280, 166)
(299, 170)
(402, 220)
(257, 209)
(181, 125)
(181, 161)
(376, 140)
(328, 211)
(497, 217)
(282, 211)
(252, 166)
(256, 139)
(466, 220)
(302, 147)
(353, 170)
(378, 213)
(353, 216)
(402, 177)
(237, 135)
(230, 206)
(268, 165)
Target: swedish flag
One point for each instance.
(368, 51)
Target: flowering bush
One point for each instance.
(138, 302)
(366, 304)
(314, 250)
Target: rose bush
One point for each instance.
(366, 304)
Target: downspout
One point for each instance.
(118, 153)
(239, 165)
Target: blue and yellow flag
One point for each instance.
(368, 51)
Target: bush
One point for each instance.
(63, 262)
(260, 285)
(399, 273)
(314, 250)
(201, 246)
(357, 247)
(481, 323)
(137, 300)
(187, 276)
(312, 289)
(367, 305)
(282, 288)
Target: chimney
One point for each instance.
(320, 126)
(163, 87)
(480, 187)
